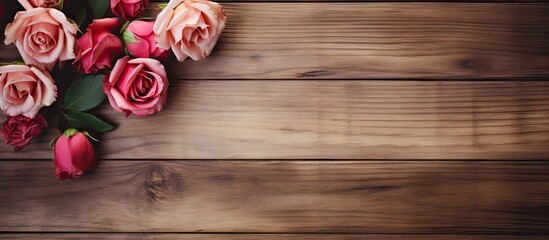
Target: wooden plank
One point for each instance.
(332, 120)
(480, 197)
(375, 1)
(154, 236)
(373, 41)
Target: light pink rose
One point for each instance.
(140, 41)
(28, 4)
(73, 154)
(98, 47)
(129, 9)
(18, 131)
(25, 90)
(190, 28)
(138, 86)
(43, 36)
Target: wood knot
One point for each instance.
(468, 64)
(315, 73)
(255, 57)
(160, 183)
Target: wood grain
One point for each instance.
(155, 236)
(373, 41)
(332, 120)
(504, 197)
(376, 1)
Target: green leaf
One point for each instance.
(85, 93)
(80, 17)
(124, 26)
(85, 120)
(12, 63)
(87, 134)
(59, 5)
(128, 37)
(163, 5)
(53, 141)
(70, 132)
(99, 7)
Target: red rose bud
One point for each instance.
(73, 154)
(129, 9)
(140, 41)
(18, 131)
(99, 46)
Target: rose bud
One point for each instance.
(99, 46)
(40, 3)
(190, 28)
(138, 86)
(18, 131)
(73, 154)
(43, 37)
(25, 90)
(129, 9)
(140, 41)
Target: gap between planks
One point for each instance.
(253, 236)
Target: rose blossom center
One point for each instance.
(42, 41)
(48, 3)
(19, 91)
(143, 85)
(141, 9)
(16, 94)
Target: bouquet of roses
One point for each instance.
(74, 58)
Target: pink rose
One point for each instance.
(25, 90)
(73, 154)
(129, 9)
(18, 131)
(28, 4)
(98, 47)
(138, 86)
(190, 28)
(43, 36)
(140, 41)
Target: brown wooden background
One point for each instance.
(321, 120)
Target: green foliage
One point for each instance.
(82, 120)
(85, 93)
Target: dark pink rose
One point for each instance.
(140, 41)
(18, 131)
(129, 9)
(138, 86)
(73, 154)
(99, 46)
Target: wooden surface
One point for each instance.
(373, 40)
(273, 196)
(333, 120)
(320, 120)
(186, 236)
